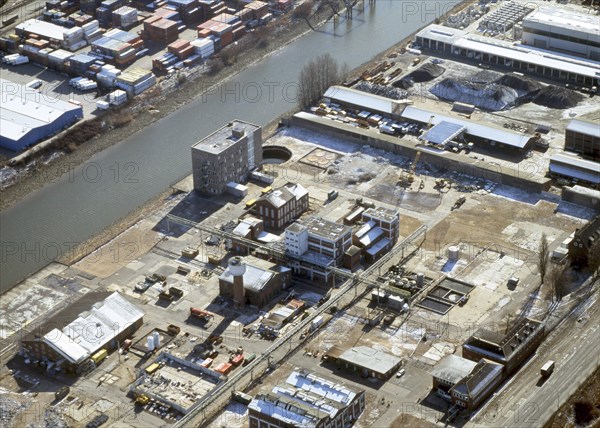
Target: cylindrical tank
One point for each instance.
(237, 267)
(156, 339)
(420, 279)
(405, 307)
(453, 253)
(150, 343)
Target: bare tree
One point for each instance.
(543, 257)
(316, 76)
(559, 280)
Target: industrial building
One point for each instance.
(563, 30)
(306, 400)
(359, 100)
(379, 232)
(584, 239)
(281, 206)
(315, 245)
(510, 349)
(465, 383)
(582, 136)
(228, 154)
(261, 281)
(446, 128)
(570, 166)
(68, 341)
(503, 53)
(27, 117)
(367, 361)
(176, 382)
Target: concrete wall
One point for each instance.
(585, 199)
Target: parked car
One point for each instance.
(34, 84)
(400, 373)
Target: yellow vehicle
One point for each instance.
(152, 368)
(250, 203)
(142, 399)
(99, 356)
(266, 190)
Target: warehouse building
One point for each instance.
(582, 136)
(368, 362)
(502, 53)
(570, 166)
(262, 281)
(584, 239)
(281, 206)
(359, 100)
(563, 30)
(509, 349)
(315, 245)
(445, 128)
(68, 341)
(228, 154)
(27, 117)
(306, 400)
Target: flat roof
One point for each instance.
(378, 246)
(584, 127)
(42, 28)
(573, 160)
(453, 368)
(382, 213)
(565, 18)
(223, 138)
(255, 277)
(370, 359)
(325, 228)
(472, 128)
(23, 109)
(365, 100)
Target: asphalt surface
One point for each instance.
(530, 401)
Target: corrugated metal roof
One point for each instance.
(92, 330)
(443, 132)
(565, 19)
(574, 160)
(584, 127)
(255, 278)
(371, 359)
(45, 29)
(368, 101)
(453, 368)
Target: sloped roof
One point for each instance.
(453, 368)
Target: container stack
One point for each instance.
(160, 30)
(164, 62)
(104, 12)
(108, 75)
(281, 6)
(117, 97)
(58, 58)
(89, 6)
(189, 10)
(135, 81)
(83, 84)
(257, 9)
(65, 7)
(245, 15)
(118, 47)
(15, 59)
(225, 32)
(80, 19)
(73, 39)
(91, 31)
(204, 47)
(79, 64)
(181, 49)
(210, 8)
(125, 17)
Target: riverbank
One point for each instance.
(146, 112)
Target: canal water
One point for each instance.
(87, 199)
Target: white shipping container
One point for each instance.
(102, 105)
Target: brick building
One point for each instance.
(281, 206)
(227, 155)
(579, 247)
(582, 136)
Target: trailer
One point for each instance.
(547, 369)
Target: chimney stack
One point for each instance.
(237, 268)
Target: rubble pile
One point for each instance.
(490, 97)
(426, 72)
(10, 408)
(384, 91)
(557, 97)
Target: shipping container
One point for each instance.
(99, 356)
(249, 359)
(152, 368)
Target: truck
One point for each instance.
(99, 356)
(199, 313)
(547, 369)
(249, 359)
(237, 360)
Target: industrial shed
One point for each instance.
(27, 117)
(359, 100)
(571, 166)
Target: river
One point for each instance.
(89, 198)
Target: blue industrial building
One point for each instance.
(28, 116)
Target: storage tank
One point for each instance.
(156, 339)
(420, 280)
(150, 343)
(453, 253)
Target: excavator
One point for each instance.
(408, 179)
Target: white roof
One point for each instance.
(276, 411)
(571, 166)
(472, 128)
(255, 278)
(574, 160)
(45, 29)
(234, 185)
(297, 189)
(365, 100)
(564, 18)
(443, 132)
(441, 33)
(321, 387)
(584, 127)
(371, 236)
(92, 330)
(370, 359)
(267, 237)
(365, 229)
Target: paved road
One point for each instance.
(528, 401)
